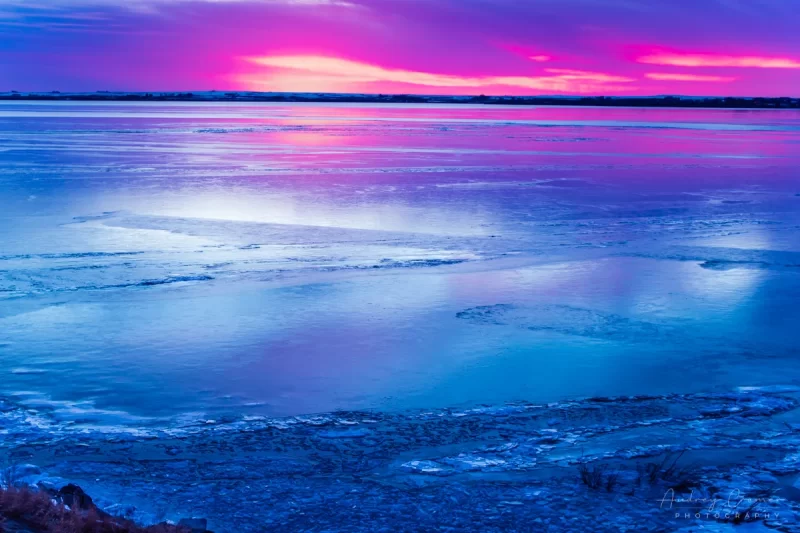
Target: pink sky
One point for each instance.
(516, 47)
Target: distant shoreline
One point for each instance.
(233, 96)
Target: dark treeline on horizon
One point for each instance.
(616, 101)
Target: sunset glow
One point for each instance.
(341, 72)
(662, 76)
(402, 46)
(707, 60)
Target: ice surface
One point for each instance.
(345, 318)
(171, 258)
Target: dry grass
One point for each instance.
(750, 513)
(676, 476)
(37, 512)
(598, 476)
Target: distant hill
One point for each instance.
(238, 96)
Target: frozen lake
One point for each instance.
(159, 260)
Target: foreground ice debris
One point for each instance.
(643, 463)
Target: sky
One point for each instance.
(493, 47)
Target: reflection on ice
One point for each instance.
(162, 259)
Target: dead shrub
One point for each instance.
(38, 512)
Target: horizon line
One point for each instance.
(384, 95)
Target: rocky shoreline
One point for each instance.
(645, 463)
(42, 509)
